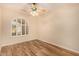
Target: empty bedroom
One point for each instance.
(39, 29)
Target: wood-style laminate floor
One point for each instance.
(35, 48)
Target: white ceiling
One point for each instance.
(20, 6)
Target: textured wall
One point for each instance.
(10, 14)
(61, 26)
(0, 23)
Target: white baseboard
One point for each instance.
(61, 46)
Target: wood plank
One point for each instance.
(35, 48)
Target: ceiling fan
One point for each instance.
(35, 9)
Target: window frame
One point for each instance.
(25, 26)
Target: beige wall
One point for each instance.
(61, 27)
(10, 14)
(0, 26)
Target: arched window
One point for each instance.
(19, 27)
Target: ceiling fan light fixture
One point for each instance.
(37, 10)
(34, 13)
